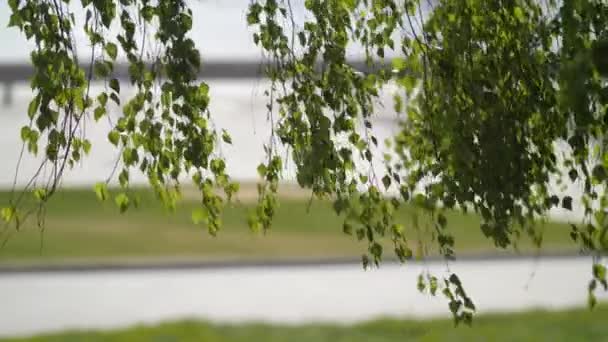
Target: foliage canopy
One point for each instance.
(500, 98)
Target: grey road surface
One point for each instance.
(51, 301)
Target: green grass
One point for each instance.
(575, 325)
(78, 226)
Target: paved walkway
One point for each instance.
(50, 301)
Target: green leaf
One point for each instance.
(599, 271)
(347, 228)
(115, 85)
(591, 299)
(599, 53)
(262, 170)
(253, 15)
(86, 146)
(147, 12)
(573, 174)
(13, 5)
(253, 221)
(114, 136)
(365, 261)
(25, 133)
(360, 234)
(130, 156)
(441, 219)
(33, 107)
(8, 213)
(123, 178)
(567, 203)
(101, 190)
(122, 202)
(599, 172)
(111, 50)
(454, 279)
(421, 285)
(226, 137)
(376, 250)
(101, 69)
(15, 20)
(199, 215)
(408, 82)
(302, 38)
(115, 98)
(203, 91)
(102, 98)
(40, 194)
(518, 13)
(231, 189)
(433, 285)
(386, 180)
(398, 64)
(99, 113)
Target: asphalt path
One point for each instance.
(36, 302)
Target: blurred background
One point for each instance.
(93, 268)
